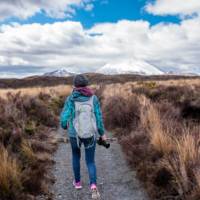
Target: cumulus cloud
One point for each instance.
(53, 8)
(174, 7)
(89, 7)
(68, 44)
(166, 46)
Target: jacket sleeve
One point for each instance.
(66, 113)
(99, 118)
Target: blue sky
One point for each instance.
(103, 11)
(115, 10)
(87, 35)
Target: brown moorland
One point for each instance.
(158, 126)
(156, 121)
(27, 141)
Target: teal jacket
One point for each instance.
(68, 113)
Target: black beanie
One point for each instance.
(80, 81)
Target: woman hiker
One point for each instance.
(82, 117)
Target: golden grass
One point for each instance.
(151, 121)
(126, 89)
(187, 159)
(34, 91)
(179, 173)
(197, 176)
(110, 90)
(9, 172)
(187, 149)
(180, 82)
(178, 147)
(27, 151)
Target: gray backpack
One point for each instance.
(85, 120)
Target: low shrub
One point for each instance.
(26, 121)
(158, 129)
(120, 112)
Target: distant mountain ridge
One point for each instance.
(133, 67)
(182, 73)
(59, 73)
(95, 79)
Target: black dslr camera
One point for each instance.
(103, 143)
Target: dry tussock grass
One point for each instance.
(180, 82)
(10, 175)
(126, 88)
(151, 121)
(164, 145)
(197, 176)
(187, 149)
(61, 90)
(166, 159)
(183, 164)
(27, 151)
(26, 138)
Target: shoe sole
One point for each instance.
(77, 187)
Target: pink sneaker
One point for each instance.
(93, 186)
(95, 193)
(77, 185)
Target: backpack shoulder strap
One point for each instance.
(92, 98)
(91, 101)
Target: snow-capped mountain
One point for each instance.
(59, 73)
(130, 67)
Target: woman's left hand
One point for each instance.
(104, 137)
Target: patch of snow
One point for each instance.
(130, 67)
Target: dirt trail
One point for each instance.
(115, 180)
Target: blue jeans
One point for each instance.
(89, 158)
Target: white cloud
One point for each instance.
(89, 7)
(53, 8)
(68, 44)
(104, 2)
(174, 7)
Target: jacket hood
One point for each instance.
(78, 96)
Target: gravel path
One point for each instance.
(115, 180)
